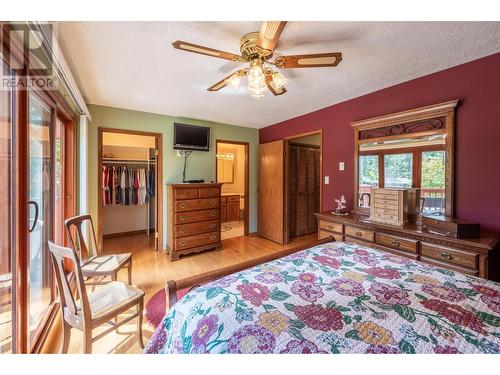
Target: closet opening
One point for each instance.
(231, 169)
(303, 187)
(129, 186)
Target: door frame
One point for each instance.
(159, 181)
(246, 216)
(289, 139)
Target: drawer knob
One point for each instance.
(448, 234)
(183, 243)
(183, 205)
(395, 243)
(446, 256)
(212, 226)
(359, 234)
(330, 227)
(183, 217)
(183, 230)
(213, 237)
(212, 203)
(212, 214)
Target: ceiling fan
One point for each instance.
(257, 49)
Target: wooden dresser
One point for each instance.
(193, 218)
(477, 256)
(230, 207)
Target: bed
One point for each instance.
(335, 297)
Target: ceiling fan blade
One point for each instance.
(269, 34)
(309, 61)
(190, 47)
(223, 82)
(272, 88)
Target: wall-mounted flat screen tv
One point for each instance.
(191, 137)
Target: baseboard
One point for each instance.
(129, 233)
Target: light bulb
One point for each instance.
(234, 81)
(279, 80)
(256, 80)
(255, 73)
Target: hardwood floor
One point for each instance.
(151, 269)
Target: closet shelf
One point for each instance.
(127, 161)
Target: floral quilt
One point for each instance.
(336, 298)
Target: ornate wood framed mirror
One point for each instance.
(409, 149)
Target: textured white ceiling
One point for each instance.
(133, 64)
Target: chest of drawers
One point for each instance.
(474, 256)
(193, 218)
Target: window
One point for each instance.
(421, 167)
(398, 170)
(368, 177)
(433, 181)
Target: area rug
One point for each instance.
(156, 306)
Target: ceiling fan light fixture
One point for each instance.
(256, 80)
(279, 80)
(257, 88)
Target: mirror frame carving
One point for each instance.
(394, 124)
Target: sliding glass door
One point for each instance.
(6, 226)
(41, 187)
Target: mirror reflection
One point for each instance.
(416, 162)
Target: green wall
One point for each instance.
(200, 164)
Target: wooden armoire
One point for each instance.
(303, 188)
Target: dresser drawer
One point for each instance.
(384, 216)
(449, 255)
(363, 234)
(185, 230)
(209, 192)
(197, 240)
(185, 194)
(325, 234)
(196, 204)
(330, 226)
(437, 263)
(194, 216)
(399, 243)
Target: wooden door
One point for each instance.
(304, 181)
(302, 185)
(313, 181)
(271, 175)
(292, 192)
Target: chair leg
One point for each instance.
(66, 330)
(130, 272)
(87, 341)
(140, 308)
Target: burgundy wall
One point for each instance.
(477, 177)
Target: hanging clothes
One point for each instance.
(151, 184)
(136, 186)
(126, 200)
(118, 193)
(142, 192)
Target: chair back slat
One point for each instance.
(58, 255)
(75, 228)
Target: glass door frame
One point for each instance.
(14, 53)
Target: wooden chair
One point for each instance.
(95, 308)
(93, 265)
